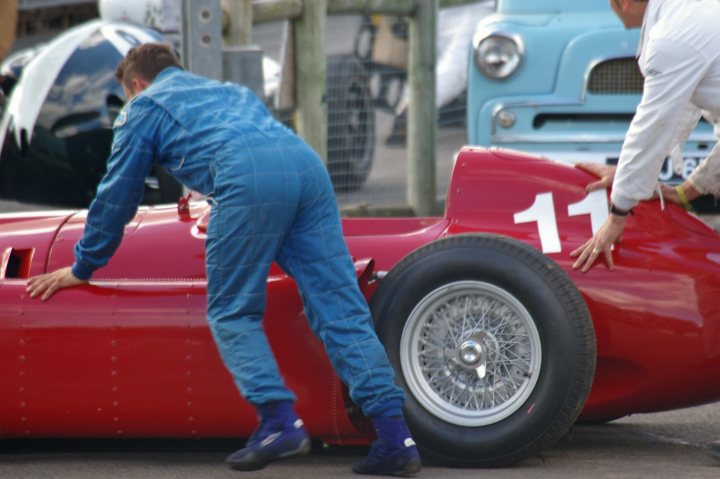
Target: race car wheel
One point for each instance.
(493, 344)
(351, 123)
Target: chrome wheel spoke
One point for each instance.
(470, 353)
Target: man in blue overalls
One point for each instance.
(272, 200)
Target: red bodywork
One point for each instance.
(131, 354)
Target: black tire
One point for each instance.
(351, 123)
(529, 301)
(364, 40)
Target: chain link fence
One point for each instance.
(367, 101)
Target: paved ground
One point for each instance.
(659, 446)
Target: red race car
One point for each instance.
(500, 345)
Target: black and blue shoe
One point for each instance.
(393, 453)
(277, 437)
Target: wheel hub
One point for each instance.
(471, 353)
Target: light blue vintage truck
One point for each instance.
(560, 78)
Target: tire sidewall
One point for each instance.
(522, 432)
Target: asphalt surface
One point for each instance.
(668, 445)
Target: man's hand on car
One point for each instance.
(606, 173)
(45, 285)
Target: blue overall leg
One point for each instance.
(314, 253)
(256, 196)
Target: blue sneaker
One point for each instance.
(393, 453)
(281, 434)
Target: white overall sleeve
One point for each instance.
(688, 121)
(672, 72)
(706, 177)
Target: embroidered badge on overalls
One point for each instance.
(121, 119)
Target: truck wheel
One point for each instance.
(351, 123)
(493, 344)
(364, 40)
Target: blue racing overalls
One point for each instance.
(272, 200)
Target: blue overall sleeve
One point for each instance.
(121, 190)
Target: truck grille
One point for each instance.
(616, 77)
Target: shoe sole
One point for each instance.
(258, 463)
(303, 450)
(411, 468)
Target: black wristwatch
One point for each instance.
(614, 210)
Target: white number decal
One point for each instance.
(542, 212)
(595, 205)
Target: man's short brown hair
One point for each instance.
(146, 61)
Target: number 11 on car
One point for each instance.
(543, 213)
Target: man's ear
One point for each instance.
(139, 84)
(623, 4)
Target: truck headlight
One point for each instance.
(497, 54)
(506, 119)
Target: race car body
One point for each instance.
(498, 342)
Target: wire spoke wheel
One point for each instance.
(471, 353)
